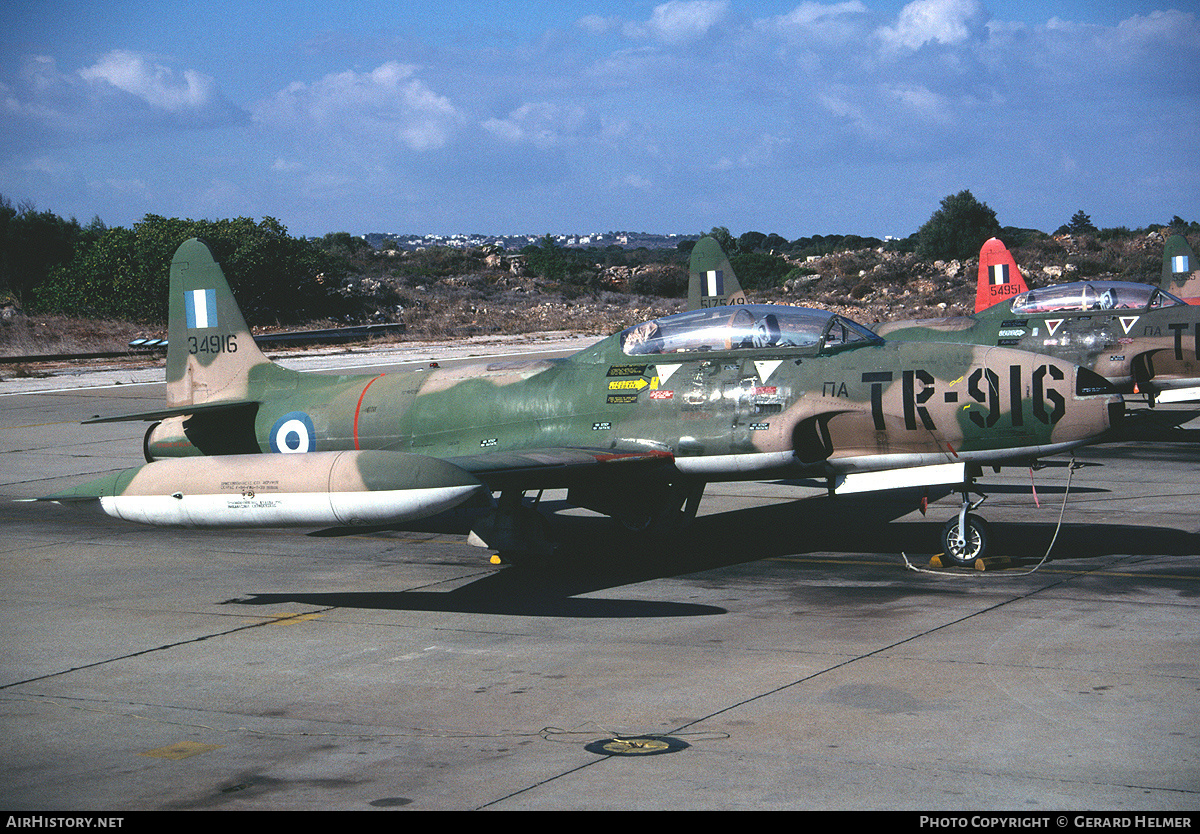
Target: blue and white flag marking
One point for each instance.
(714, 282)
(998, 274)
(1179, 264)
(201, 307)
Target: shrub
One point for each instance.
(958, 229)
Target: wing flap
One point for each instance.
(554, 467)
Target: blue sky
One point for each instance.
(799, 118)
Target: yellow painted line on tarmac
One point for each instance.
(1126, 574)
(290, 619)
(1063, 571)
(181, 750)
(823, 561)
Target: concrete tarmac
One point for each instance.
(780, 656)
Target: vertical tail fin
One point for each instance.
(999, 277)
(1180, 273)
(711, 282)
(209, 350)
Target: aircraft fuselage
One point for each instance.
(1145, 350)
(717, 413)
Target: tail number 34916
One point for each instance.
(216, 343)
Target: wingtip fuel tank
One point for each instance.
(348, 488)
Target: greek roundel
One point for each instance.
(293, 432)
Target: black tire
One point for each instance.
(668, 513)
(977, 539)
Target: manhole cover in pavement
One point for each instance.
(636, 746)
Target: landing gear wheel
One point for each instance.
(975, 545)
(662, 516)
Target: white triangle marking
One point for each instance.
(665, 371)
(767, 367)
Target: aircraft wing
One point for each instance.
(554, 467)
(346, 488)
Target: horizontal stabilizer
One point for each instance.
(177, 411)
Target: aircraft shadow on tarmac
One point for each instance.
(1156, 426)
(593, 556)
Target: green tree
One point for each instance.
(1080, 224)
(347, 246)
(556, 263)
(125, 273)
(32, 243)
(723, 237)
(775, 242)
(759, 270)
(957, 229)
(751, 241)
(7, 213)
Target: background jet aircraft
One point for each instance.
(1138, 336)
(1181, 273)
(633, 426)
(999, 277)
(711, 282)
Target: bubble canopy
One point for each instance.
(756, 327)
(1085, 296)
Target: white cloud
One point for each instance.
(387, 104)
(596, 24)
(681, 21)
(637, 182)
(814, 28)
(540, 124)
(947, 22)
(809, 15)
(158, 86)
(123, 95)
(115, 186)
(796, 103)
(1161, 29)
(917, 101)
(760, 152)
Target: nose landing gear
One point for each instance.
(965, 537)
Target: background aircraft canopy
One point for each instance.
(1093, 295)
(757, 326)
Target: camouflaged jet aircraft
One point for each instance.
(1181, 273)
(1139, 337)
(633, 427)
(711, 282)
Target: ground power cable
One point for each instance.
(1057, 527)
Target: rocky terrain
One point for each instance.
(868, 285)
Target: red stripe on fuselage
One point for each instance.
(358, 407)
